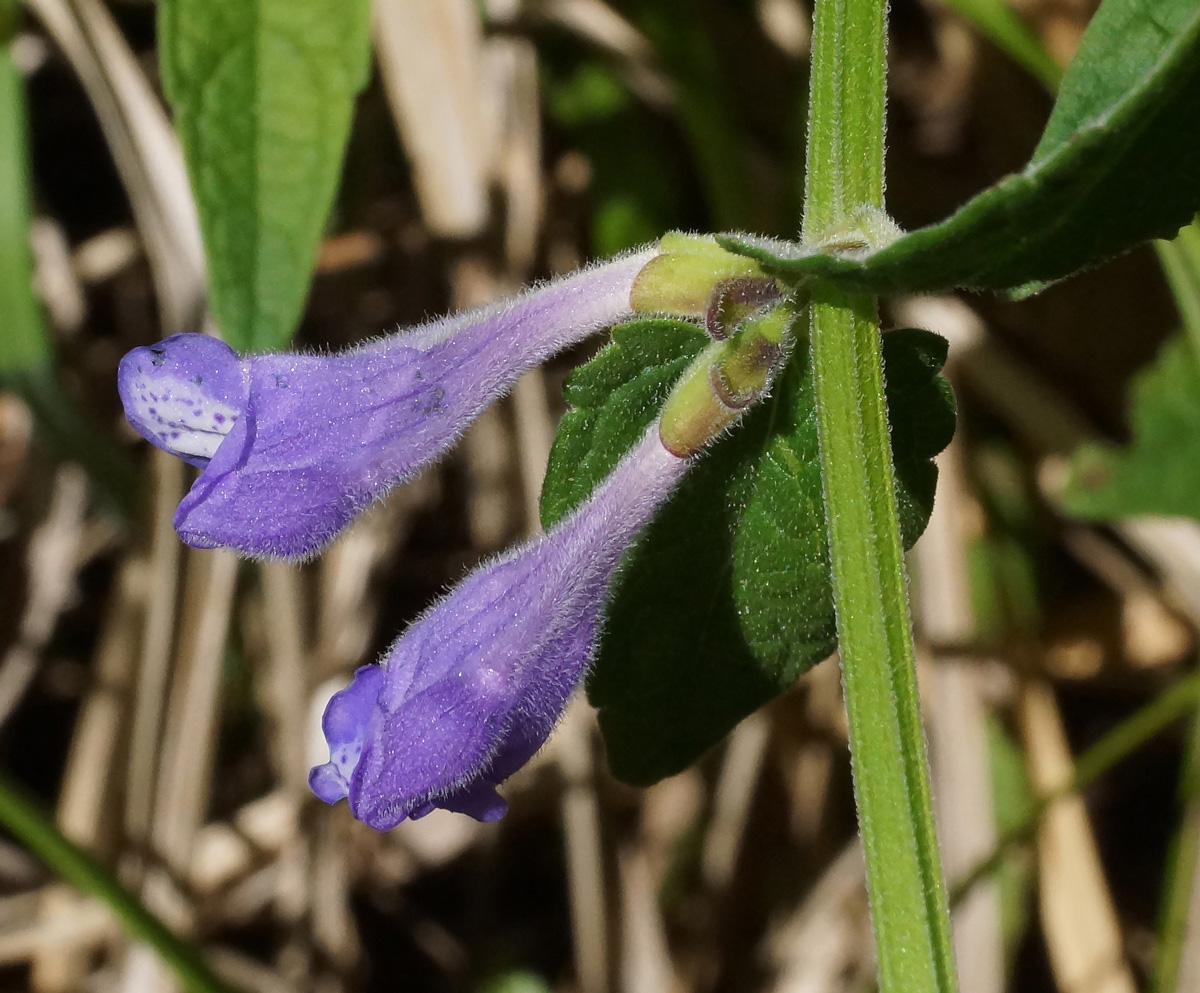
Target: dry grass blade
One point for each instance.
(646, 965)
(344, 609)
(51, 559)
(787, 24)
(535, 436)
(1173, 546)
(512, 120)
(732, 801)
(188, 741)
(166, 475)
(74, 923)
(1044, 420)
(1188, 977)
(145, 149)
(190, 730)
(1153, 633)
(966, 819)
(487, 445)
(1079, 922)
(585, 848)
(959, 754)
(285, 682)
(512, 113)
(333, 927)
(429, 56)
(825, 946)
(55, 278)
(87, 805)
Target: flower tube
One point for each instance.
(471, 691)
(292, 447)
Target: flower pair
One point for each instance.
(292, 447)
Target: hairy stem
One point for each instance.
(891, 776)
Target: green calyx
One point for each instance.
(682, 278)
(726, 379)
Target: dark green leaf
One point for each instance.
(264, 93)
(1157, 472)
(726, 600)
(1116, 166)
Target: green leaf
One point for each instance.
(1156, 473)
(1116, 166)
(264, 93)
(726, 600)
(23, 341)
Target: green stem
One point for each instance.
(21, 816)
(845, 178)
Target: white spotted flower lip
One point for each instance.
(184, 394)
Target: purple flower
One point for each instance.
(467, 695)
(293, 447)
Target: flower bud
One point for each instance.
(725, 379)
(682, 278)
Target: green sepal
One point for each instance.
(681, 279)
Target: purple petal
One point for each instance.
(345, 727)
(480, 801)
(295, 446)
(473, 689)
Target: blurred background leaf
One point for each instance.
(1157, 472)
(24, 345)
(264, 93)
(27, 361)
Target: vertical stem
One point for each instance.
(891, 774)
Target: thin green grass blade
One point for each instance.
(20, 815)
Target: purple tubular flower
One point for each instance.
(471, 691)
(293, 447)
